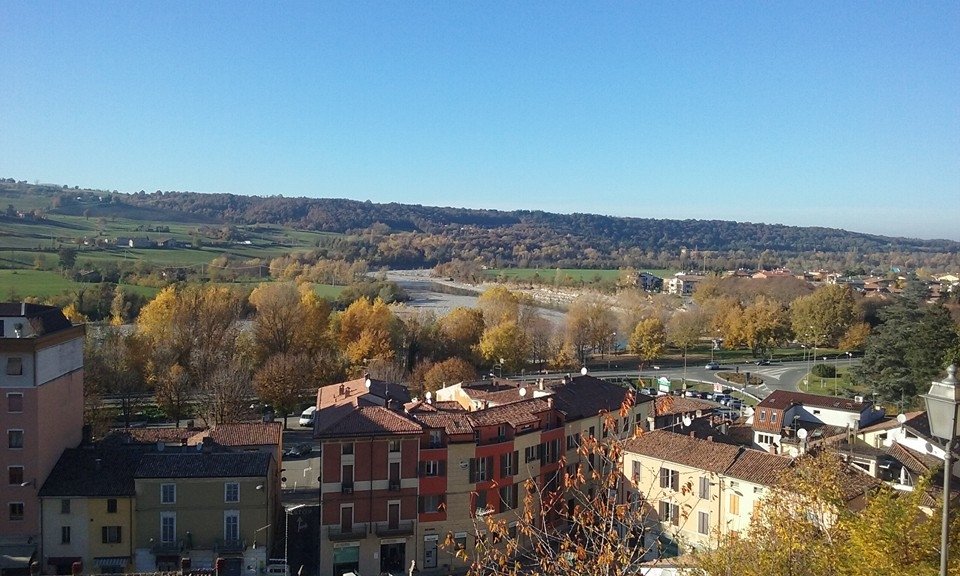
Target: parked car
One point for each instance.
(722, 398)
(299, 450)
(306, 418)
(712, 366)
(763, 362)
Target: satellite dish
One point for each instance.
(367, 383)
(583, 371)
(748, 411)
(687, 421)
(901, 418)
(802, 433)
(429, 395)
(523, 392)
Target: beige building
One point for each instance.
(696, 491)
(201, 506)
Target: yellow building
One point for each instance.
(87, 508)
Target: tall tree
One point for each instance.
(450, 371)
(910, 348)
(826, 315)
(504, 342)
(282, 380)
(648, 340)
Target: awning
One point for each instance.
(16, 555)
(62, 560)
(112, 561)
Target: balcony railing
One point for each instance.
(229, 546)
(346, 487)
(394, 485)
(388, 529)
(357, 530)
(174, 547)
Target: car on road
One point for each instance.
(298, 451)
(762, 362)
(306, 418)
(712, 366)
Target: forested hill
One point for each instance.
(523, 237)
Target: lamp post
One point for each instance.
(943, 414)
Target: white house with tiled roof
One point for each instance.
(778, 418)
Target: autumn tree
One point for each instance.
(450, 371)
(110, 372)
(824, 316)
(589, 326)
(498, 306)
(648, 340)
(367, 330)
(764, 325)
(277, 320)
(461, 330)
(505, 341)
(684, 329)
(282, 380)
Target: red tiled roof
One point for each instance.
(759, 467)
(784, 399)
(165, 435)
(243, 434)
(702, 454)
(515, 414)
(353, 390)
(585, 396)
(667, 405)
(452, 422)
(370, 420)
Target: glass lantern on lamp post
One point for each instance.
(943, 415)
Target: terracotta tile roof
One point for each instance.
(584, 396)
(667, 405)
(242, 434)
(453, 423)
(354, 391)
(93, 472)
(203, 465)
(166, 435)
(501, 395)
(759, 467)
(784, 399)
(912, 460)
(515, 414)
(684, 450)
(448, 406)
(369, 421)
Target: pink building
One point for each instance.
(41, 414)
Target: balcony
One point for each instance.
(346, 488)
(389, 529)
(174, 547)
(229, 546)
(357, 531)
(394, 485)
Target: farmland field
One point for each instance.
(565, 274)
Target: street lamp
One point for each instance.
(286, 534)
(943, 415)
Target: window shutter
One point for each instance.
(503, 466)
(473, 470)
(420, 504)
(489, 467)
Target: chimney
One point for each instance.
(650, 423)
(208, 444)
(34, 568)
(184, 565)
(76, 568)
(709, 438)
(549, 401)
(23, 308)
(160, 446)
(540, 383)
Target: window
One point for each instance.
(593, 431)
(669, 512)
(773, 417)
(481, 469)
(231, 492)
(15, 366)
(531, 453)
(394, 446)
(16, 510)
(231, 525)
(15, 474)
(764, 439)
(573, 441)
(704, 488)
(65, 506)
(734, 507)
(703, 522)
(480, 502)
(168, 493)
(508, 463)
(636, 469)
(346, 448)
(14, 402)
(168, 527)
(111, 506)
(111, 534)
(431, 503)
(431, 468)
(763, 415)
(501, 432)
(436, 439)
(64, 534)
(14, 438)
(460, 541)
(508, 497)
(669, 479)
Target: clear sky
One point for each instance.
(839, 114)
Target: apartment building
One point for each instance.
(418, 482)
(41, 404)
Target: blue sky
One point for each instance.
(839, 114)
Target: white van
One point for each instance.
(306, 418)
